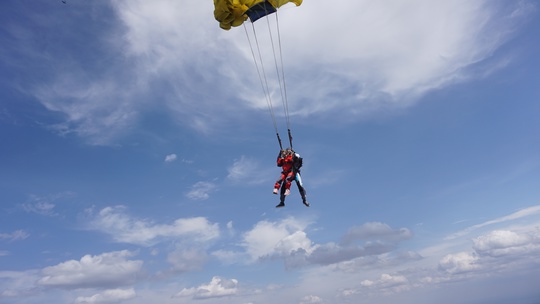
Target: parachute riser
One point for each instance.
(290, 137)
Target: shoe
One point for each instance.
(275, 191)
(287, 192)
(306, 203)
(280, 205)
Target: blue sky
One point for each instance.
(138, 154)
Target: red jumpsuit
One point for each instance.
(287, 173)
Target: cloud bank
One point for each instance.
(171, 58)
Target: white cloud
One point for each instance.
(218, 287)
(375, 271)
(388, 282)
(459, 262)
(394, 53)
(201, 190)
(311, 299)
(104, 270)
(108, 296)
(276, 238)
(125, 229)
(385, 285)
(497, 251)
(392, 280)
(15, 235)
(170, 158)
(390, 274)
(500, 243)
(290, 243)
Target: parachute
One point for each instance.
(231, 13)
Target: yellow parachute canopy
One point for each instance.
(279, 3)
(231, 13)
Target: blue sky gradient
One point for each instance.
(138, 154)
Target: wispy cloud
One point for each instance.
(45, 205)
(247, 171)
(201, 191)
(40, 207)
(98, 112)
(516, 215)
(170, 158)
(376, 230)
(15, 235)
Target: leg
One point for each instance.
(301, 189)
(282, 197)
(278, 183)
(289, 179)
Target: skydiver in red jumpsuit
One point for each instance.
(285, 161)
(290, 162)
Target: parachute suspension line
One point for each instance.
(262, 78)
(280, 80)
(281, 76)
(285, 99)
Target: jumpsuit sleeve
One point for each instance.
(279, 160)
